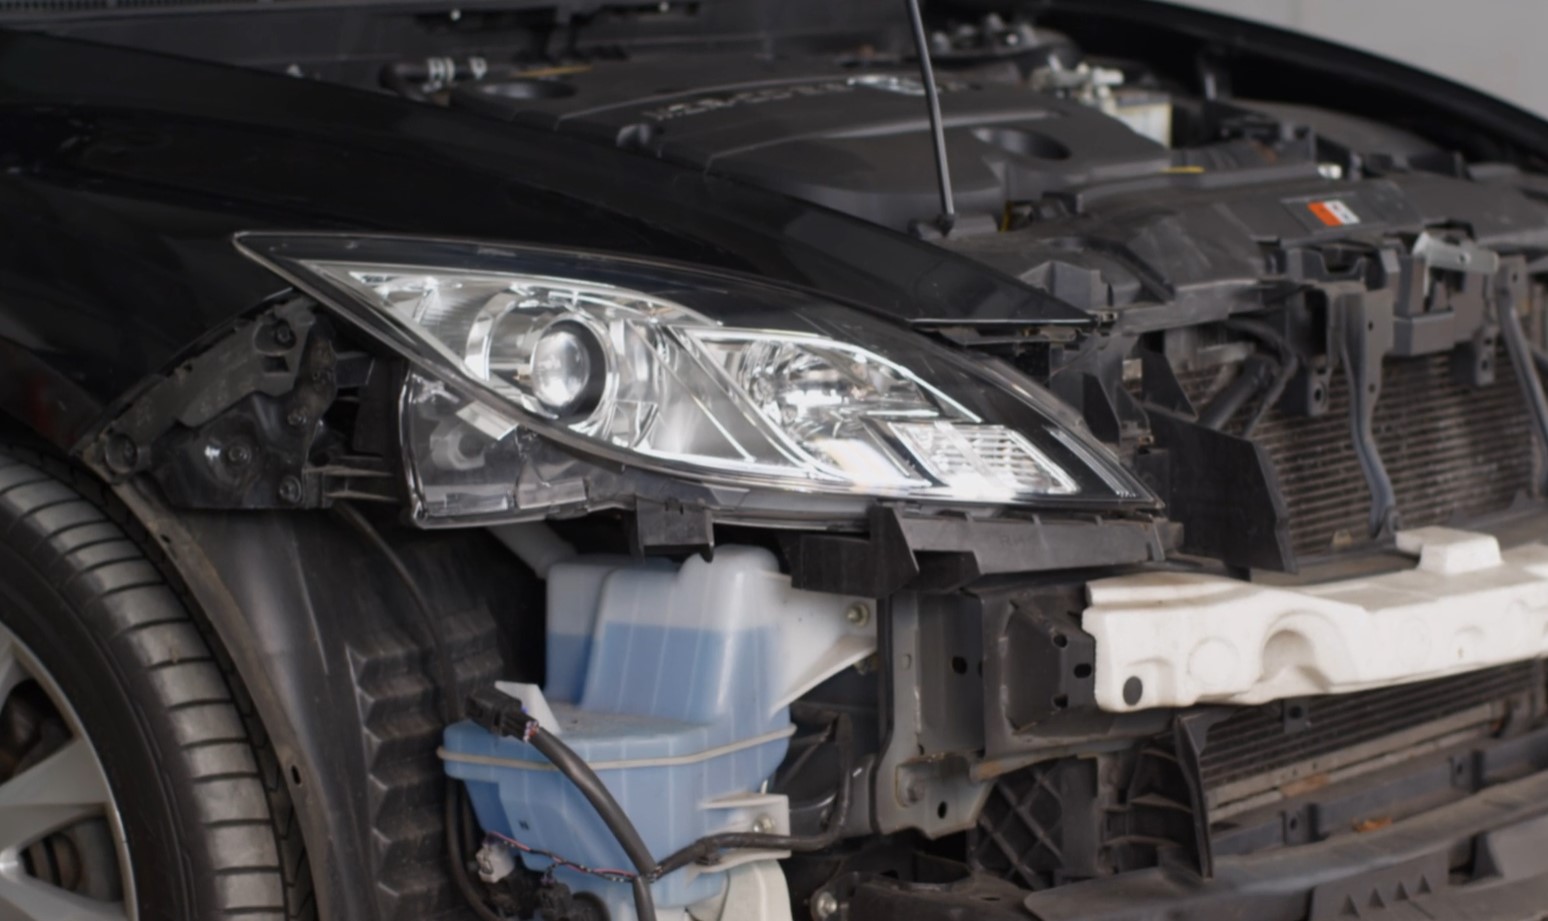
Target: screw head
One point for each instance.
(858, 614)
(296, 418)
(284, 334)
(121, 454)
(238, 455)
(824, 905)
(290, 491)
(763, 825)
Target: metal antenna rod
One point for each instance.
(948, 215)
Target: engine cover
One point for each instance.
(856, 140)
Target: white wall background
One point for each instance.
(1496, 45)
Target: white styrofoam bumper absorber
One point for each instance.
(1169, 639)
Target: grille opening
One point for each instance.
(1268, 776)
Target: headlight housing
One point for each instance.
(755, 391)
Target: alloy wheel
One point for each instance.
(63, 856)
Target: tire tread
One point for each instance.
(66, 523)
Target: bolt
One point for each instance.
(914, 792)
(290, 491)
(284, 335)
(122, 454)
(824, 905)
(238, 455)
(858, 614)
(763, 825)
(296, 418)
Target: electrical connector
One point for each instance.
(501, 714)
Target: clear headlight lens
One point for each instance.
(688, 373)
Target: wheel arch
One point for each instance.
(218, 574)
(309, 612)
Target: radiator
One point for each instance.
(1452, 451)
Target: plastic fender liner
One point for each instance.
(308, 611)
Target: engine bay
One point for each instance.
(1228, 251)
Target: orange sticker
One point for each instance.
(1333, 213)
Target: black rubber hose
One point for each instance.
(1361, 409)
(707, 847)
(590, 785)
(1255, 374)
(1287, 371)
(644, 902)
(1289, 366)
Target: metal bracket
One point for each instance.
(1454, 256)
(235, 426)
(924, 776)
(261, 355)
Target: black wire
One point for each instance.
(811, 745)
(706, 848)
(948, 217)
(612, 876)
(590, 785)
(644, 902)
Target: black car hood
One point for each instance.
(126, 173)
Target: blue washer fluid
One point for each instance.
(678, 711)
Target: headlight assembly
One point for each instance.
(526, 359)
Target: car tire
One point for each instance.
(204, 813)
